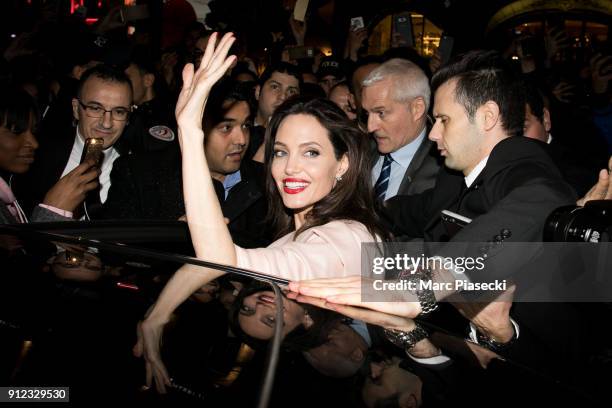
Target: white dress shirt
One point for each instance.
(469, 179)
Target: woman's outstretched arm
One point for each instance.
(209, 233)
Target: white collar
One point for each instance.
(404, 155)
(469, 179)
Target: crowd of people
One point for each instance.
(289, 173)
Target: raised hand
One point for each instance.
(197, 85)
(354, 42)
(601, 72)
(70, 191)
(602, 190)
(299, 30)
(564, 91)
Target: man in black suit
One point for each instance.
(149, 185)
(507, 185)
(101, 109)
(396, 97)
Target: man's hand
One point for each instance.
(492, 319)
(354, 42)
(298, 28)
(602, 190)
(70, 191)
(564, 91)
(600, 75)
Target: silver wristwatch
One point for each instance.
(406, 340)
(426, 297)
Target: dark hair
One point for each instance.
(352, 198)
(283, 68)
(312, 91)
(484, 76)
(300, 338)
(243, 68)
(536, 99)
(362, 62)
(224, 91)
(339, 84)
(18, 110)
(141, 59)
(106, 73)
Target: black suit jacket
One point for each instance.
(517, 190)
(149, 186)
(422, 171)
(508, 201)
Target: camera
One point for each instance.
(591, 223)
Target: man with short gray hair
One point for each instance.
(396, 96)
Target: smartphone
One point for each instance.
(134, 13)
(299, 11)
(357, 23)
(402, 25)
(296, 53)
(93, 150)
(446, 48)
(453, 222)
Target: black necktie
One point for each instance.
(380, 188)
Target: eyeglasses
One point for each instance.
(96, 111)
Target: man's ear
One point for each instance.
(75, 109)
(546, 120)
(149, 80)
(257, 90)
(417, 108)
(489, 112)
(77, 71)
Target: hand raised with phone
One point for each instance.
(70, 191)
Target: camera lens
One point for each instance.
(591, 223)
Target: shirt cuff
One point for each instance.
(439, 359)
(59, 211)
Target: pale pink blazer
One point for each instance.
(331, 250)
